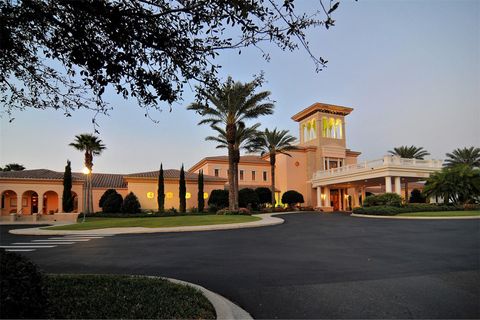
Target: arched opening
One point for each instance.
(313, 129)
(324, 127)
(75, 201)
(305, 132)
(29, 202)
(50, 202)
(331, 128)
(338, 129)
(9, 202)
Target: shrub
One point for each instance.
(193, 210)
(131, 204)
(248, 198)
(218, 198)
(113, 203)
(292, 197)
(240, 211)
(105, 195)
(21, 293)
(415, 207)
(416, 196)
(264, 195)
(385, 199)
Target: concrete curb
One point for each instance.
(224, 308)
(266, 220)
(414, 218)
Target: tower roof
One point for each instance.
(322, 107)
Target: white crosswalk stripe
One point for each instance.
(51, 242)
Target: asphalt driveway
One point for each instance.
(312, 266)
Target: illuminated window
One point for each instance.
(188, 195)
(253, 175)
(241, 174)
(216, 172)
(169, 195)
(338, 129)
(324, 127)
(265, 176)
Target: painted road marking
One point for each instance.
(24, 243)
(70, 237)
(75, 240)
(19, 250)
(31, 246)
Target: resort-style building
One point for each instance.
(322, 169)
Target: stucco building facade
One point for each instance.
(326, 172)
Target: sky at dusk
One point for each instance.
(410, 70)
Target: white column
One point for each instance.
(328, 163)
(398, 186)
(319, 197)
(388, 184)
(327, 197)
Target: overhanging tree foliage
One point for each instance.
(182, 191)
(67, 198)
(64, 54)
(161, 190)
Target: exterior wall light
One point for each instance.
(85, 170)
(150, 195)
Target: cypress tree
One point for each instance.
(67, 199)
(182, 191)
(161, 191)
(201, 200)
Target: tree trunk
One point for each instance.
(231, 132)
(236, 185)
(406, 192)
(272, 178)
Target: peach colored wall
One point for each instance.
(40, 187)
(141, 188)
(209, 169)
(97, 193)
(290, 176)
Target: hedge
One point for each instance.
(413, 207)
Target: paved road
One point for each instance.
(313, 266)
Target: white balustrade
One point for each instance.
(377, 163)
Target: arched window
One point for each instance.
(305, 132)
(331, 128)
(312, 129)
(339, 129)
(324, 127)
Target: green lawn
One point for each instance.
(122, 297)
(441, 214)
(155, 222)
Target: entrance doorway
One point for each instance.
(335, 199)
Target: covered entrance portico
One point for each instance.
(344, 188)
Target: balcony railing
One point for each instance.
(379, 163)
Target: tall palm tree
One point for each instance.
(273, 143)
(411, 152)
(245, 139)
(230, 105)
(92, 146)
(469, 156)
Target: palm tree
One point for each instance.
(13, 167)
(92, 146)
(231, 104)
(469, 156)
(411, 152)
(273, 143)
(245, 139)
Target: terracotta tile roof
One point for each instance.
(251, 186)
(42, 174)
(173, 174)
(99, 180)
